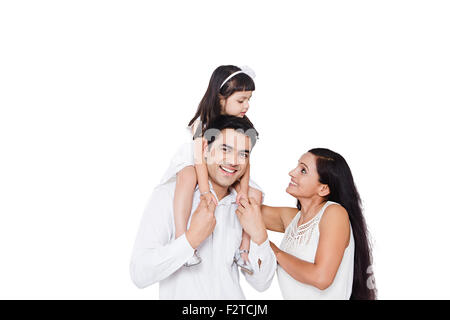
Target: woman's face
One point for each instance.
(304, 178)
(237, 104)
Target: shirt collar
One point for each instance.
(227, 200)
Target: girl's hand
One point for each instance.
(209, 197)
(240, 196)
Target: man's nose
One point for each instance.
(234, 159)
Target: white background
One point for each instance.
(95, 95)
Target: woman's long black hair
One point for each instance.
(209, 108)
(334, 171)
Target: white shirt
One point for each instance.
(159, 257)
(302, 242)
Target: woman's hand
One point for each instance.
(249, 214)
(275, 249)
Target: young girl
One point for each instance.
(229, 91)
(325, 252)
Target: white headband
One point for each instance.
(244, 69)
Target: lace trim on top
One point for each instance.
(301, 235)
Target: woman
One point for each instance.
(325, 253)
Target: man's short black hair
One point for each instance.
(231, 122)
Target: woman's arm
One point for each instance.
(277, 218)
(334, 238)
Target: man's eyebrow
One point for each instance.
(231, 148)
(227, 146)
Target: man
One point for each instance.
(215, 232)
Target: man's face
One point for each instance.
(227, 157)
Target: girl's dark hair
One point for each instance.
(209, 108)
(334, 171)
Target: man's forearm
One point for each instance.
(194, 238)
(260, 236)
(155, 263)
(264, 264)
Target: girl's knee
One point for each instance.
(187, 175)
(255, 194)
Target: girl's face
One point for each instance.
(305, 179)
(236, 104)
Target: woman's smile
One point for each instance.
(292, 183)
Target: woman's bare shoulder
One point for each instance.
(335, 219)
(335, 212)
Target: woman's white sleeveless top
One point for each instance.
(302, 242)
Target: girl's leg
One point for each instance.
(255, 194)
(245, 243)
(182, 203)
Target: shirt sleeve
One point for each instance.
(156, 255)
(264, 272)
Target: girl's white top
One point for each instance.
(302, 242)
(185, 157)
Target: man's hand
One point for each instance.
(202, 224)
(249, 214)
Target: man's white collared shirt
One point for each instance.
(159, 257)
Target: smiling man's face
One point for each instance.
(228, 157)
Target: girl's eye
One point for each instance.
(224, 149)
(303, 171)
(241, 101)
